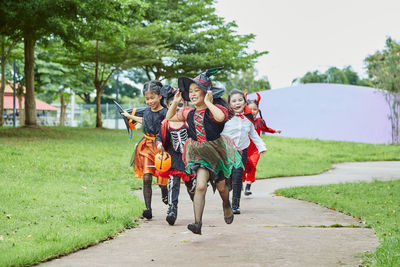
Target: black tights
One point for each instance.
(147, 191)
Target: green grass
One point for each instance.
(376, 203)
(300, 156)
(62, 189)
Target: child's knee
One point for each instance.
(201, 187)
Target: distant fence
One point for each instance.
(79, 115)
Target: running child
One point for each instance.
(172, 138)
(249, 175)
(240, 128)
(207, 154)
(151, 118)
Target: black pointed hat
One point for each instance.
(203, 80)
(166, 92)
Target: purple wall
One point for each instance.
(328, 111)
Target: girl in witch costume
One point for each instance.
(207, 154)
(241, 129)
(151, 118)
(172, 138)
(253, 153)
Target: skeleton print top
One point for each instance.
(174, 142)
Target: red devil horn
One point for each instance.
(245, 95)
(258, 98)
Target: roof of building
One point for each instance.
(8, 100)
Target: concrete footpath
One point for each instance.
(271, 231)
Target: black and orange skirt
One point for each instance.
(144, 159)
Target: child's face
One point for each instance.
(152, 99)
(237, 103)
(254, 109)
(196, 94)
(180, 106)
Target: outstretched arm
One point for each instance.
(132, 117)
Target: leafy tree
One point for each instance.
(195, 39)
(333, 75)
(71, 20)
(7, 46)
(246, 81)
(125, 88)
(52, 78)
(118, 44)
(383, 68)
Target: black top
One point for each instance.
(151, 119)
(212, 129)
(174, 141)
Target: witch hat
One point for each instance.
(203, 81)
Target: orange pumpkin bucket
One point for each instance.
(162, 161)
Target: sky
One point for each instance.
(309, 35)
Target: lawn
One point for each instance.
(62, 189)
(300, 156)
(376, 203)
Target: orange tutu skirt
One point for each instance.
(144, 159)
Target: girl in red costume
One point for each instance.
(253, 154)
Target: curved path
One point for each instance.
(271, 231)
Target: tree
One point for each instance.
(383, 68)
(113, 49)
(7, 45)
(246, 81)
(71, 20)
(125, 88)
(195, 39)
(52, 78)
(333, 75)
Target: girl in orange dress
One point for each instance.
(151, 118)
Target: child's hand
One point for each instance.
(278, 131)
(178, 97)
(208, 99)
(159, 147)
(126, 114)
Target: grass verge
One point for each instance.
(376, 203)
(300, 156)
(62, 189)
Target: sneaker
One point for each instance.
(236, 210)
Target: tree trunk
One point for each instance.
(21, 111)
(30, 105)
(99, 123)
(63, 108)
(2, 87)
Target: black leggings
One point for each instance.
(174, 188)
(237, 175)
